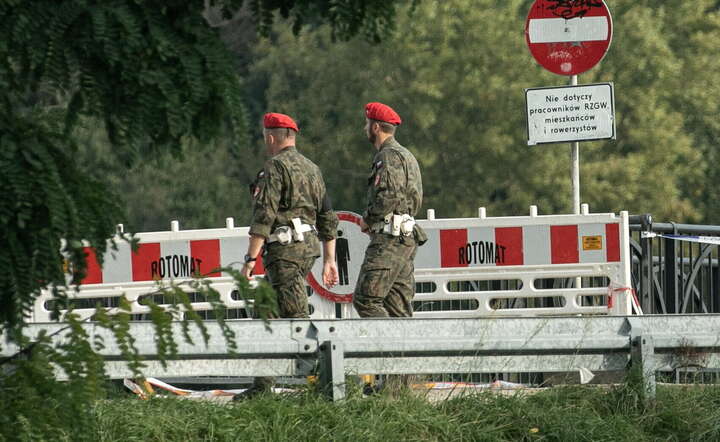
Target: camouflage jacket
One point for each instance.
(291, 186)
(394, 185)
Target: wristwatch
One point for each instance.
(249, 259)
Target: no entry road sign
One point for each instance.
(568, 37)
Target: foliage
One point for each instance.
(375, 19)
(456, 72)
(695, 93)
(45, 408)
(153, 72)
(661, 146)
(574, 413)
(199, 185)
(47, 200)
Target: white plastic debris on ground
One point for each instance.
(496, 385)
(152, 383)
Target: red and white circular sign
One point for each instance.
(568, 37)
(350, 248)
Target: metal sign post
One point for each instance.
(575, 161)
(575, 175)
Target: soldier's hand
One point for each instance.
(330, 274)
(364, 227)
(247, 269)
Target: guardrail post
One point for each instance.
(332, 370)
(642, 357)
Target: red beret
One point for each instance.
(382, 112)
(273, 120)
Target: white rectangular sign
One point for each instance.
(570, 113)
(558, 30)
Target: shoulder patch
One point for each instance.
(256, 185)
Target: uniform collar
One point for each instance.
(286, 150)
(389, 141)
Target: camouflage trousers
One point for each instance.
(287, 278)
(386, 284)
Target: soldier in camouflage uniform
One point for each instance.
(291, 215)
(386, 284)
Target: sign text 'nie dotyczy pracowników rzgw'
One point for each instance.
(570, 113)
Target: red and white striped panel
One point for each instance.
(525, 245)
(168, 260)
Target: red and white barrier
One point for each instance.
(519, 246)
(485, 263)
(161, 257)
(497, 266)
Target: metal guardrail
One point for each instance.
(670, 276)
(335, 348)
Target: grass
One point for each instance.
(559, 414)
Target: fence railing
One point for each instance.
(672, 276)
(336, 348)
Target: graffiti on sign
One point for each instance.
(572, 8)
